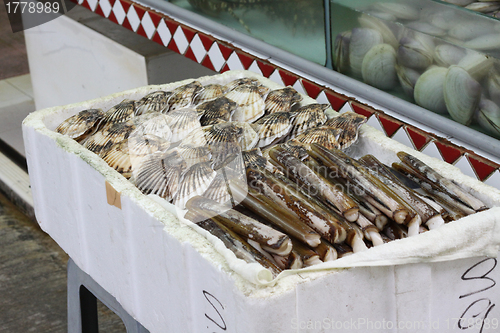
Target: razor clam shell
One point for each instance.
(153, 123)
(152, 102)
(102, 140)
(251, 105)
(378, 67)
(323, 135)
(220, 108)
(182, 96)
(80, 125)
(239, 82)
(362, 40)
(272, 128)
(308, 116)
(159, 174)
(208, 93)
(194, 155)
(182, 122)
(428, 91)
(121, 112)
(349, 124)
(281, 100)
(194, 181)
(296, 148)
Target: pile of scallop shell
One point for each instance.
(265, 174)
(436, 56)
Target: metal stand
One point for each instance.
(83, 292)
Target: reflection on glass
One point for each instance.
(438, 56)
(296, 26)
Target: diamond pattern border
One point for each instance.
(222, 56)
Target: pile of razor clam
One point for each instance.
(267, 175)
(442, 59)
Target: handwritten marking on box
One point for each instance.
(113, 196)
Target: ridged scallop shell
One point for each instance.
(194, 155)
(152, 102)
(126, 155)
(296, 148)
(183, 96)
(239, 82)
(308, 116)
(218, 189)
(251, 105)
(281, 100)
(348, 123)
(153, 123)
(223, 141)
(323, 135)
(159, 174)
(182, 122)
(254, 158)
(121, 112)
(208, 93)
(194, 181)
(102, 140)
(195, 139)
(82, 124)
(218, 109)
(272, 127)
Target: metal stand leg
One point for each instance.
(83, 293)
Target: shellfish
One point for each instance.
(272, 127)
(251, 105)
(182, 96)
(152, 102)
(281, 100)
(81, 125)
(220, 108)
(208, 93)
(193, 181)
(308, 116)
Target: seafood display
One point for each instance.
(441, 58)
(269, 174)
(490, 8)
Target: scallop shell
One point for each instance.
(159, 174)
(251, 105)
(253, 158)
(296, 148)
(223, 141)
(103, 139)
(218, 189)
(272, 127)
(182, 122)
(348, 123)
(308, 116)
(281, 100)
(127, 154)
(152, 102)
(195, 139)
(194, 181)
(81, 125)
(153, 123)
(218, 109)
(208, 93)
(182, 96)
(239, 82)
(121, 112)
(248, 138)
(194, 155)
(323, 135)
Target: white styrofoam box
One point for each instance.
(172, 279)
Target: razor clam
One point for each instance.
(208, 93)
(275, 215)
(295, 202)
(349, 124)
(376, 192)
(446, 55)
(362, 40)
(488, 117)
(461, 94)
(126, 155)
(273, 240)
(152, 123)
(159, 174)
(428, 91)
(121, 112)
(272, 127)
(296, 148)
(152, 102)
(441, 182)
(102, 140)
(306, 177)
(281, 100)
(239, 82)
(326, 251)
(395, 231)
(415, 52)
(343, 250)
(308, 256)
(323, 135)
(291, 261)
(370, 230)
(182, 122)
(81, 125)
(238, 245)
(193, 181)
(371, 213)
(251, 105)
(407, 78)
(378, 67)
(220, 108)
(308, 116)
(182, 96)
(341, 52)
